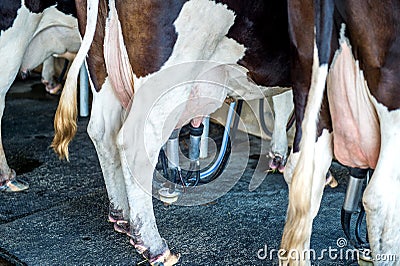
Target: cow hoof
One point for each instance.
(168, 197)
(330, 180)
(139, 248)
(167, 259)
(115, 215)
(120, 224)
(13, 184)
(25, 74)
(122, 227)
(277, 162)
(54, 90)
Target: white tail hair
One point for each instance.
(65, 119)
(299, 218)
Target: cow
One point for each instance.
(351, 48)
(55, 36)
(18, 24)
(155, 65)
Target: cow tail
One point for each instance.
(299, 217)
(65, 119)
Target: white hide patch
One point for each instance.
(56, 35)
(13, 43)
(354, 118)
(202, 26)
(52, 17)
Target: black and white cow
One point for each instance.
(156, 65)
(18, 23)
(351, 48)
(56, 36)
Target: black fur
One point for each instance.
(8, 13)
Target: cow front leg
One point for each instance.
(283, 107)
(104, 125)
(382, 196)
(48, 73)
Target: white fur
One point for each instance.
(290, 166)
(323, 158)
(382, 197)
(302, 193)
(13, 43)
(56, 40)
(283, 107)
(92, 10)
(105, 122)
(52, 17)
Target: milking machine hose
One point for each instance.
(225, 139)
(264, 127)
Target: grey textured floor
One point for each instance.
(62, 218)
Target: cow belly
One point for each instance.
(355, 122)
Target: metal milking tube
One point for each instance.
(194, 153)
(170, 163)
(173, 155)
(352, 198)
(204, 138)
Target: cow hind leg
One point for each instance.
(323, 158)
(150, 122)
(8, 180)
(105, 123)
(382, 195)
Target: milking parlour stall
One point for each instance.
(199, 132)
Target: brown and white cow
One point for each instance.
(351, 48)
(155, 65)
(18, 23)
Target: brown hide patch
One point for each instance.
(95, 59)
(375, 38)
(149, 33)
(262, 27)
(301, 27)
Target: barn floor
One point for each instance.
(62, 218)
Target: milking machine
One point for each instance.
(352, 205)
(178, 179)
